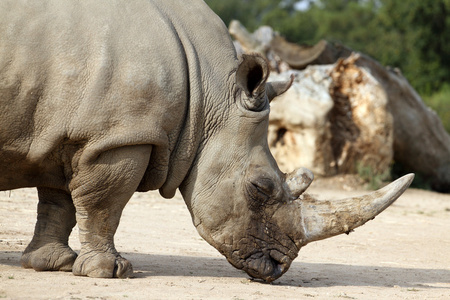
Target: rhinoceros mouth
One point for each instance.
(266, 266)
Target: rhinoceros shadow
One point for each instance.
(304, 274)
(300, 273)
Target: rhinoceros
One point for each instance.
(104, 98)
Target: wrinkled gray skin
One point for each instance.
(100, 99)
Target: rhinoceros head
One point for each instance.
(243, 205)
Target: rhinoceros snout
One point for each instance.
(267, 267)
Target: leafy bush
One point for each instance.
(440, 103)
(410, 35)
(373, 179)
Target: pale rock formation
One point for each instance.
(333, 119)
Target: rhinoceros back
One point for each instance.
(94, 75)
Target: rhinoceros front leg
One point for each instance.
(49, 249)
(100, 191)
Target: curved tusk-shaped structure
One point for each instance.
(322, 219)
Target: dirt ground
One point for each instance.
(403, 254)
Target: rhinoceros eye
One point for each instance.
(259, 191)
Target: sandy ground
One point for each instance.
(403, 254)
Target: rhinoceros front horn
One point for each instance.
(322, 218)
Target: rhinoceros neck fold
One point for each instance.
(185, 150)
(206, 76)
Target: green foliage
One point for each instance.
(373, 179)
(249, 12)
(412, 35)
(440, 103)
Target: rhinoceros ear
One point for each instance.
(251, 77)
(274, 89)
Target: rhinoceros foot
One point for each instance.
(50, 257)
(102, 265)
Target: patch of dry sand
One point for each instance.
(403, 254)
